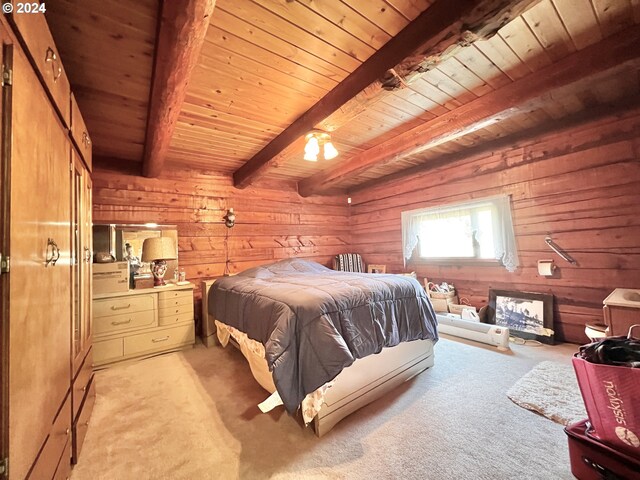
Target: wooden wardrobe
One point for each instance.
(47, 381)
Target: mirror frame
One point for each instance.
(116, 242)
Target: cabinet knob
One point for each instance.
(66, 432)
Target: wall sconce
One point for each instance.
(318, 143)
(229, 222)
(229, 218)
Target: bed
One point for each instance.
(359, 334)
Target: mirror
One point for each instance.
(117, 239)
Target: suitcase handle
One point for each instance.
(629, 335)
(605, 473)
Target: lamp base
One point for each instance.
(158, 269)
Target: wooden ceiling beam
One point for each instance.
(490, 108)
(388, 185)
(182, 29)
(433, 35)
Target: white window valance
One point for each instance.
(503, 235)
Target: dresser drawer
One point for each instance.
(174, 294)
(82, 424)
(54, 447)
(107, 350)
(123, 322)
(120, 305)
(35, 32)
(159, 340)
(81, 383)
(171, 318)
(63, 472)
(80, 134)
(176, 310)
(175, 302)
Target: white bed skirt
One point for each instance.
(366, 380)
(363, 382)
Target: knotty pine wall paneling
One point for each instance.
(580, 185)
(272, 222)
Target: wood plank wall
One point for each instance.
(272, 222)
(581, 186)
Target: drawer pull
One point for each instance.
(158, 340)
(51, 56)
(66, 432)
(84, 389)
(124, 322)
(113, 307)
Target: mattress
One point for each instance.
(313, 322)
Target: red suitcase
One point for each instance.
(593, 460)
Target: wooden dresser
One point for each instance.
(142, 322)
(47, 380)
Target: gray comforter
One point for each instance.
(314, 321)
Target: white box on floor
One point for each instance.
(110, 277)
(480, 332)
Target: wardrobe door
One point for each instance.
(87, 239)
(40, 277)
(82, 255)
(5, 96)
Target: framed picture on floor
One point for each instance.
(527, 315)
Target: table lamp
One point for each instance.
(158, 250)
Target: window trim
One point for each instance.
(508, 254)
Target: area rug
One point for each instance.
(550, 389)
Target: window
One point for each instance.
(477, 230)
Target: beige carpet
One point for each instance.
(193, 415)
(550, 389)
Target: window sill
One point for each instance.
(480, 262)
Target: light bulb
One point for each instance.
(330, 151)
(311, 149)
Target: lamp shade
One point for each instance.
(158, 248)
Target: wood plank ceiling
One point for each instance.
(108, 48)
(264, 63)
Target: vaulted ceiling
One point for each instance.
(265, 65)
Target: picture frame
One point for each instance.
(527, 315)
(376, 268)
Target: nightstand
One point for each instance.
(621, 310)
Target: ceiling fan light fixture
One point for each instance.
(318, 144)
